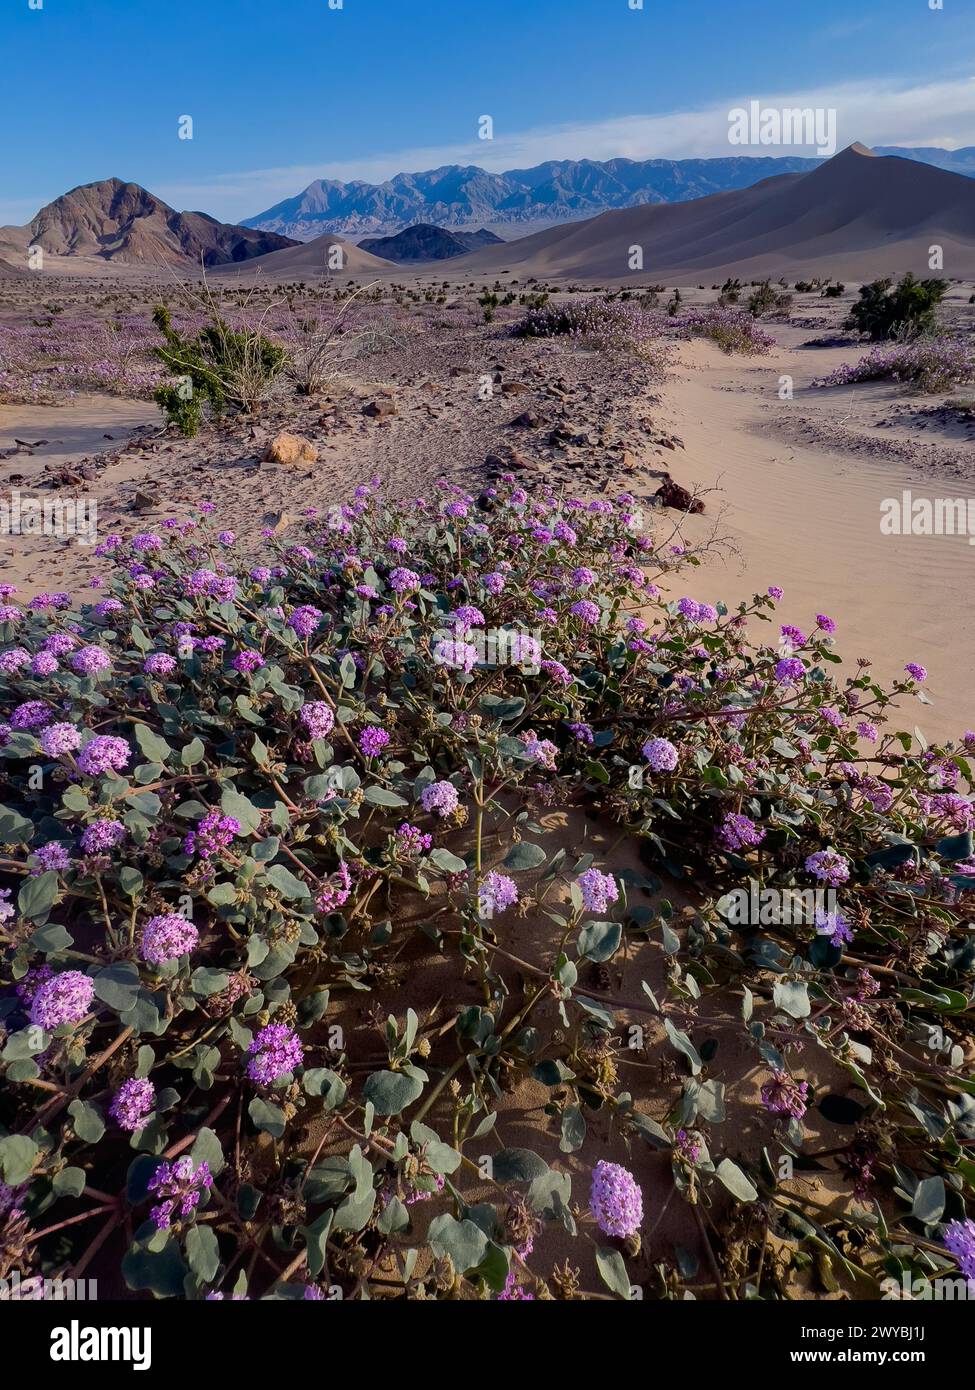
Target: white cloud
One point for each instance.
(876, 113)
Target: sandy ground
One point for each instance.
(803, 507)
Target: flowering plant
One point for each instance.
(303, 929)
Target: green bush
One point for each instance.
(883, 311)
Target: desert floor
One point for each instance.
(793, 487)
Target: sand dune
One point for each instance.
(311, 258)
(857, 216)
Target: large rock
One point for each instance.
(290, 449)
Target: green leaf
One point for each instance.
(70, 1182)
(929, 1201)
(17, 1157)
(320, 1081)
(51, 939)
(735, 1181)
(465, 1243)
(203, 1252)
(117, 985)
(523, 856)
(518, 1165)
(792, 997)
(206, 981)
(573, 1130)
(391, 1091)
(612, 1271)
(683, 1044)
(267, 1117)
(599, 941)
(207, 1149)
(379, 796)
(37, 896)
(287, 883)
(443, 859)
(86, 1121)
(242, 809)
(154, 748)
(316, 1242)
(193, 753)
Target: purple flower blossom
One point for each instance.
(586, 611)
(439, 798)
(916, 672)
(159, 664)
(372, 741)
(88, 661)
(412, 840)
(334, 891)
(132, 1102)
(275, 1051)
(102, 753)
(33, 714)
(738, 831)
(64, 998)
(318, 719)
(459, 656)
(180, 1186)
(247, 662)
(214, 833)
(167, 937)
(661, 754)
(404, 581)
(52, 857)
(615, 1200)
(598, 890)
(102, 835)
(829, 867)
(959, 1238)
(790, 670)
(834, 925)
(496, 893)
(59, 738)
(305, 620)
(784, 1096)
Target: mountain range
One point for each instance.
(459, 196)
(857, 216)
(123, 223)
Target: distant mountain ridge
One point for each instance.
(117, 221)
(424, 242)
(459, 196)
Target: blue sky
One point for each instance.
(281, 93)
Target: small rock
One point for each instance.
(380, 407)
(671, 494)
(514, 388)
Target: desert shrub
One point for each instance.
(906, 310)
(610, 324)
(219, 366)
(730, 292)
(766, 300)
(925, 365)
(248, 808)
(315, 336)
(733, 330)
